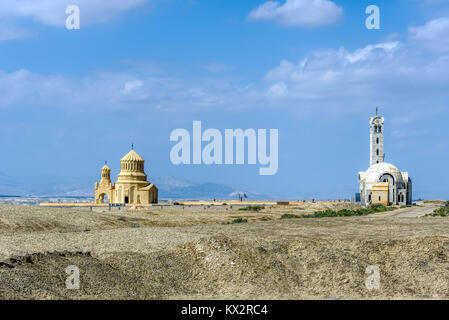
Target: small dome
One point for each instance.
(376, 171)
(105, 167)
(132, 156)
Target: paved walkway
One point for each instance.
(413, 212)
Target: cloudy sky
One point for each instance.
(138, 69)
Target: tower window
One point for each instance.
(377, 151)
(377, 140)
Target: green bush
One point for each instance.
(238, 220)
(440, 212)
(224, 204)
(135, 225)
(350, 213)
(252, 208)
(290, 216)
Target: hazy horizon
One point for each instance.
(133, 73)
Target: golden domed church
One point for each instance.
(131, 187)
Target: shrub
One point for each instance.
(440, 212)
(224, 204)
(380, 208)
(252, 208)
(350, 213)
(289, 216)
(135, 225)
(238, 220)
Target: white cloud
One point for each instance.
(298, 12)
(389, 73)
(278, 89)
(132, 86)
(433, 35)
(116, 90)
(369, 75)
(52, 12)
(11, 32)
(368, 52)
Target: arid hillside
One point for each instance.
(188, 253)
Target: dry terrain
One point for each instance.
(192, 252)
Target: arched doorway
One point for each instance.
(132, 194)
(386, 177)
(103, 198)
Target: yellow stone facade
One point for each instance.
(380, 193)
(131, 187)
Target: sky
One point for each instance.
(136, 70)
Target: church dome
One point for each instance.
(132, 167)
(132, 156)
(376, 171)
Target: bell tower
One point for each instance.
(105, 176)
(376, 139)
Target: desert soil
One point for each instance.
(191, 253)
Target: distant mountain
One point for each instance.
(172, 188)
(48, 186)
(169, 188)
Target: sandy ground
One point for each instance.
(189, 253)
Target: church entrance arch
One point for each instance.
(386, 177)
(132, 194)
(103, 198)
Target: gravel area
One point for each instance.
(191, 253)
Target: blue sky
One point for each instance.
(138, 69)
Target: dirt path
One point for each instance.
(412, 212)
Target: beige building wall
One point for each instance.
(131, 187)
(380, 193)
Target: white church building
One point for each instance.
(383, 182)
